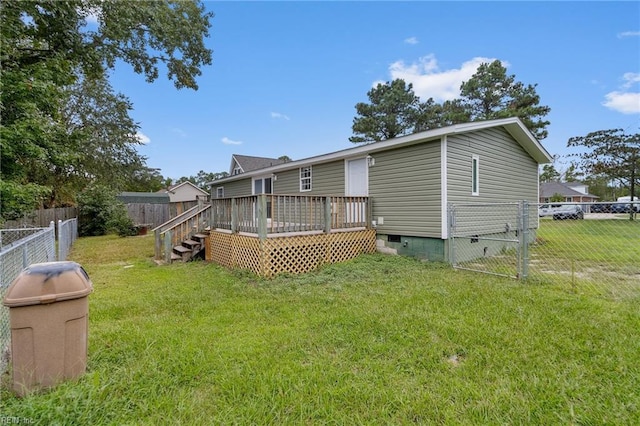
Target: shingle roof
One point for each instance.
(549, 189)
(513, 125)
(143, 197)
(249, 163)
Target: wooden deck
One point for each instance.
(295, 252)
(272, 234)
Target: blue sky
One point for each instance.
(286, 76)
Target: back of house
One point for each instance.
(412, 180)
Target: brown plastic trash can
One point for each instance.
(49, 319)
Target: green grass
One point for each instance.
(377, 340)
(597, 256)
(587, 240)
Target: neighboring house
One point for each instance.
(410, 180)
(185, 191)
(572, 192)
(245, 163)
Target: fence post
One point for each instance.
(451, 217)
(51, 253)
(524, 240)
(61, 242)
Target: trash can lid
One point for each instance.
(42, 283)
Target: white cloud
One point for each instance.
(629, 34)
(625, 101)
(227, 141)
(429, 81)
(630, 79)
(144, 139)
(278, 115)
(411, 40)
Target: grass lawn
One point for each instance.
(597, 256)
(377, 340)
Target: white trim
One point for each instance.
(187, 183)
(262, 178)
(475, 175)
(236, 168)
(444, 196)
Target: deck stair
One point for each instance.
(189, 248)
(183, 237)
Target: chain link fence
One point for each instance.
(588, 248)
(67, 234)
(18, 249)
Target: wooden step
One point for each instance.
(192, 244)
(175, 257)
(199, 237)
(184, 252)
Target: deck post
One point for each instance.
(327, 215)
(168, 246)
(262, 216)
(158, 245)
(369, 212)
(234, 215)
(213, 220)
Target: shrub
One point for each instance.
(120, 223)
(99, 212)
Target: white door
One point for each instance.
(357, 177)
(357, 185)
(263, 185)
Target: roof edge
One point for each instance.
(513, 125)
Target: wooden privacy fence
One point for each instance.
(267, 214)
(148, 214)
(154, 215)
(42, 218)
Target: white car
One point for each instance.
(548, 209)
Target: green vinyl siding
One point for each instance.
(236, 188)
(326, 179)
(506, 172)
(404, 186)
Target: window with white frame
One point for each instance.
(305, 179)
(475, 175)
(220, 192)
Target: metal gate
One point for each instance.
(491, 238)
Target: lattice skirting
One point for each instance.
(292, 254)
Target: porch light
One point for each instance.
(371, 161)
